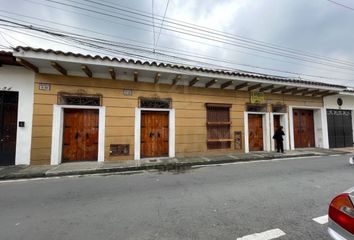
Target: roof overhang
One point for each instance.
(57, 62)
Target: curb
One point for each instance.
(161, 167)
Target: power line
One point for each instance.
(163, 19)
(341, 4)
(153, 22)
(331, 63)
(211, 31)
(176, 51)
(203, 36)
(82, 41)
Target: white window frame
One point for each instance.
(57, 131)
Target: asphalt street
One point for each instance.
(277, 198)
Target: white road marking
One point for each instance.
(321, 220)
(267, 235)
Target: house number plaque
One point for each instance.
(44, 86)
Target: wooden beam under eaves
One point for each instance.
(311, 92)
(226, 84)
(136, 76)
(288, 90)
(254, 87)
(27, 65)
(240, 86)
(176, 79)
(329, 94)
(86, 70)
(279, 89)
(157, 78)
(193, 81)
(322, 93)
(263, 89)
(299, 91)
(211, 82)
(59, 68)
(112, 73)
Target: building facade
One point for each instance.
(88, 108)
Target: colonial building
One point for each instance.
(16, 111)
(340, 119)
(92, 108)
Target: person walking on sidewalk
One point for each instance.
(278, 137)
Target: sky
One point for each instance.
(302, 39)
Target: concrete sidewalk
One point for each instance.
(168, 164)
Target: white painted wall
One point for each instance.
(330, 102)
(21, 80)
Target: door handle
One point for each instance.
(152, 134)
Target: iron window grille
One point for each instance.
(155, 103)
(82, 100)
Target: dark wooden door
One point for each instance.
(304, 133)
(154, 134)
(80, 137)
(8, 127)
(340, 129)
(255, 132)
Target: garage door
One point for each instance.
(340, 130)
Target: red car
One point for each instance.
(341, 216)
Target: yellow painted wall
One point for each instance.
(189, 104)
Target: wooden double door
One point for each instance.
(255, 132)
(304, 134)
(8, 127)
(154, 134)
(80, 135)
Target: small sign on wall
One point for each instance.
(238, 140)
(127, 92)
(257, 97)
(44, 86)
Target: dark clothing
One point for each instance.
(280, 146)
(278, 137)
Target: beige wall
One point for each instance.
(189, 104)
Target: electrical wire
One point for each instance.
(205, 36)
(341, 4)
(81, 41)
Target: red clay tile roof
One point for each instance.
(183, 67)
